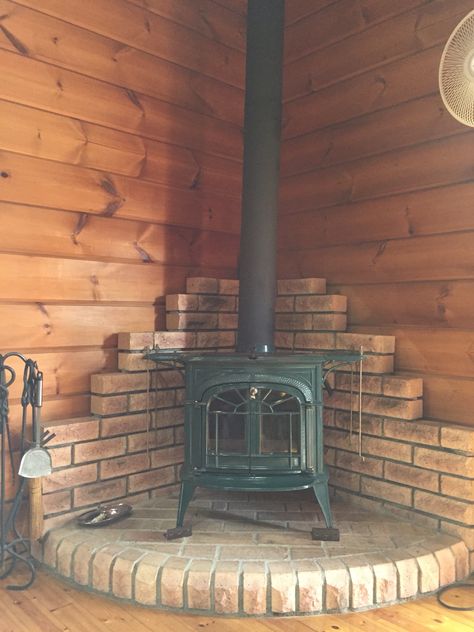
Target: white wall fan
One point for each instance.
(456, 72)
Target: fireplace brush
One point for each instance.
(14, 547)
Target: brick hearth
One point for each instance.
(132, 445)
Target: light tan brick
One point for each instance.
(191, 320)
(447, 566)
(151, 479)
(458, 438)
(315, 341)
(172, 582)
(66, 550)
(329, 322)
(61, 457)
(429, 569)
(321, 303)
(378, 405)
(353, 462)
(293, 322)
(70, 477)
(98, 450)
(386, 491)
(362, 582)
(124, 424)
(214, 339)
(283, 587)
(82, 560)
(99, 492)
(284, 304)
(408, 573)
(81, 429)
(138, 341)
(175, 340)
(110, 468)
(462, 488)
(182, 302)
(151, 400)
(109, 405)
(370, 424)
(254, 588)
(115, 382)
(156, 438)
(122, 572)
(344, 479)
(445, 461)
(229, 286)
(217, 304)
(167, 456)
(378, 364)
(134, 362)
(402, 386)
(199, 585)
(146, 577)
(337, 584)
(310, 586)
(51, 544)
(57, 502)
(445, 507)
(226, 587)
(371, 344)
(202, 285)
(461, 558)
(301, 286)
(101, 565)
(385, 578)
(386, 448)
(423, 432)
(464, 533)
(412, 476)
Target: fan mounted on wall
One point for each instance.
(456, 72)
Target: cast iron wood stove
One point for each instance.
(254, 419)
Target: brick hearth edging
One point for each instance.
(282, 571)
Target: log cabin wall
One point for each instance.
(120, 161)
(377, 185)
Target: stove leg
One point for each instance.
(322, 496)
(185, 496)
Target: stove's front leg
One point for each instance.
(321, 492)
(185, 496)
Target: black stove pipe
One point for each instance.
(262, 123)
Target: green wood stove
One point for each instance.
(255, 423)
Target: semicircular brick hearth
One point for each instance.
(253, 555)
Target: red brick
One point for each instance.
(301, 286)
(98, 450)
(458, 438)
(99, 492)
(284, 304)
(329, 322)
(81, 429)
(151, 399)
(315, 341)
(445, 507)
(322, 303)
(125, 424)
(227, 321)
(202, 285)
(214, 339)
(386, 491)
(124, 465)
(284, 340)
(294, 322)
(137, 341)
(70, 477)
(443, 461)
(412, 476)
(151, 479)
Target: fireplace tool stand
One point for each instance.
(255, 423)
(14, 547)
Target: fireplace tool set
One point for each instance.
(35, 462)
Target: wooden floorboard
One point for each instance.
(52, 605)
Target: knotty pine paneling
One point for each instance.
(120, 170)
(376, 187)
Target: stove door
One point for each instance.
(254, 427)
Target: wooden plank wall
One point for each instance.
(377, 188)
(120, 162)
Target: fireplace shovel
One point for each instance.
(36, 462)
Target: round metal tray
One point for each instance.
(104, 515)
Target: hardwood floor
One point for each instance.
(51, 605)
